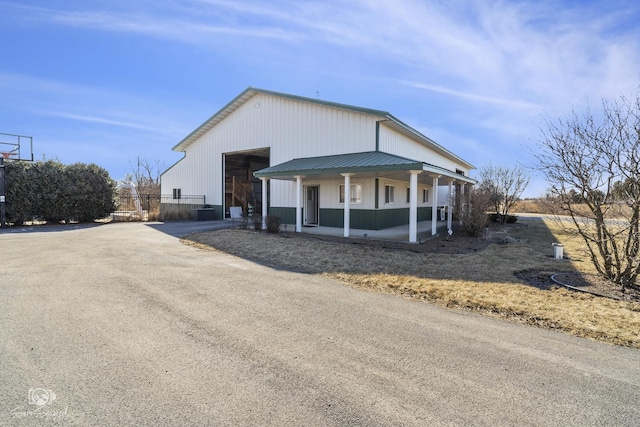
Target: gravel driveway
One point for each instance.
(121, 324)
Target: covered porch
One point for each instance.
(399, 233)
(374, 167)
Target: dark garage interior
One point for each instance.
(241, 188)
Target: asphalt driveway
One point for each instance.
(121, 324)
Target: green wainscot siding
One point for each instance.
(424, 214)
(287, 215)
(383, 218)
(363, 219)
(371, 219)
(332, 217)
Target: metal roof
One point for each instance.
(385, 118)
(371, 161)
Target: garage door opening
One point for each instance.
(242, 190)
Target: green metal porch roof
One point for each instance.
(341, 163)
(371, 161)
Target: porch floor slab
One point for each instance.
(400, 233)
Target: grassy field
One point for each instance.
(463, 273)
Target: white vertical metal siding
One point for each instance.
(290, 128)
(393, 142)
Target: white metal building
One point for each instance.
(314, 162)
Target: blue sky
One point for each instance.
(107, 81)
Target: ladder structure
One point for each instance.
(10, 150)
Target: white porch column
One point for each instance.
(298, 203)
(264, 203)
(347, 202)
(413, 206)
(451, 203)
(434, 207)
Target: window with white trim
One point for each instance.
(177, 193)
(356, 193)
(425, 195)
(388, 194)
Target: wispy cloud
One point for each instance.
(182, 22)
(100, 120)
(473, 97)
(533, 49)
(177, 29)
(544, 52)
(82, 103)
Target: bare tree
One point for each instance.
(145, 176)
(145, 179)
(592, 163)
(505, 185)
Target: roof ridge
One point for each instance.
(355, 154)
(367, 110)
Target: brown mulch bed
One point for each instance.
(458, 244)
(432, 245)
(589, 283)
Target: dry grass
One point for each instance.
(531, 206)
(582, 315)
(542, 206)
(453, 274)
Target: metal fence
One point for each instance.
(153, 207)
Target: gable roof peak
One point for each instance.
(249, 93)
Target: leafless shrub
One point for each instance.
(471, 208)
(273, 224)
(257, 222)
